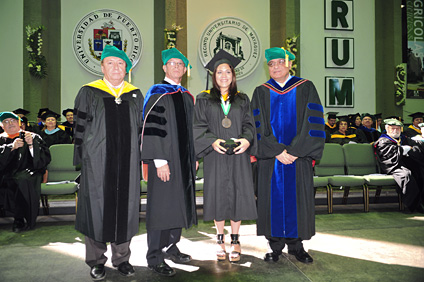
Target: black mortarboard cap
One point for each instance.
(332, 114)
(368, 115)
(64, 112)
(354, 115)
(41, 111)
(378, 115)
(343, 118)
(416, 115)
(222, 57)
(21, 111)
(49, 113)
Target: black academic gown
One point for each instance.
(340, 138)
(107, 145)
(168, 135)
(287, 119)
(367, 135)
(69, 128)
(411, 131)
(59, 137)
(21, 175)
(330, 129)
(408, 171)
(228, 183)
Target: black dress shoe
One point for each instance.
(178, 258)
(302, 256)
(163, 269)
(98, 272)
(271, 257)
(19, 225)
(125, 269)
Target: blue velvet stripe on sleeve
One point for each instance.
(317, 133)
(316, 107)
(317, 120)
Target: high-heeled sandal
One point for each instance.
(220, 253)
(234, 255)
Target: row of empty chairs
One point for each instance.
(350, 166)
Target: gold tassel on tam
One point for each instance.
(129, 76)
(286, 57)
(188, 70)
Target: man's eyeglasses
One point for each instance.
(276, 63)
(10, 121)
(175, 64)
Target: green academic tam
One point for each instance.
(278, 53)
(393, 121)
(112, 51)
(168, 54)
(5, 115)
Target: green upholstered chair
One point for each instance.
(332, 165)
(322, 182)
(360, 160)
(329, 162)
(61, 174)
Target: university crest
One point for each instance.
(105, 27)
(236, 37)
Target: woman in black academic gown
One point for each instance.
(221, 114)
(51, 133)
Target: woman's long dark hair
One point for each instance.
(232, 90)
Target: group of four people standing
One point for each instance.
(283, 127)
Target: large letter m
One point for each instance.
(344, 94)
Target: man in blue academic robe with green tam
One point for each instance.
(168, 149)
(107, 122)
(290, 132)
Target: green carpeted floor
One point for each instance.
(382, 245)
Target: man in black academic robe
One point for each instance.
(69, 123)
(23, 161)
(290, 132)
(414, 130)
(107, 145)
(167, 147)
(330, 125)
(366, 132)
(404, 159)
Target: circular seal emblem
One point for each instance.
(105, 27)
(236, 37)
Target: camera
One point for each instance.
(230, 145)
(22, 135)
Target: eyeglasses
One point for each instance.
(177, 64)
(10, 121)
(276, 63)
